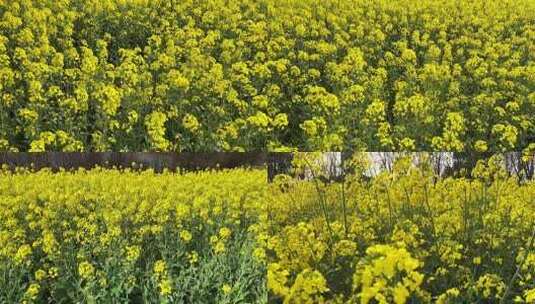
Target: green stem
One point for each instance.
(518, 268)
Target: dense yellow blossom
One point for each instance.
(404, 236)
(376, 276)
(160, 268)
(165, 287)
(226, 288)
(219, 247)
(224, 233)
(86, 270)
(40, 275)
(185, 235)
(243, 75)
(22, 253)
(33, 291)
(132, 253)
(113, 235)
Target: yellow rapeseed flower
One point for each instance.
(160, 267)
(86, 270)
(185, 235)
(214, 239)
(530, 295)
(193, 257)
(166, 287)
(225, 233)
(132, 253)
(226, 289)
(49, 243)
(400, 294)
(33, 291)
(219, 247)
(53, 272)
(259, 254)
(22, 253)
(40, 275)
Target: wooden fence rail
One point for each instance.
(134, 160)
(444, 162)
(275, 163)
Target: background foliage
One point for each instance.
(402, 236)
(109, 236)
(214, 75)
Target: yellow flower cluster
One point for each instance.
(162, 277)
(235, 75)
(185, 235)
(404, 236)
(93, 233)
(387, 274)
(86, 270)
(32, 292)
(132, 253)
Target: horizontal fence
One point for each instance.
(275, 163)
(444, 163)
(134, 160)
